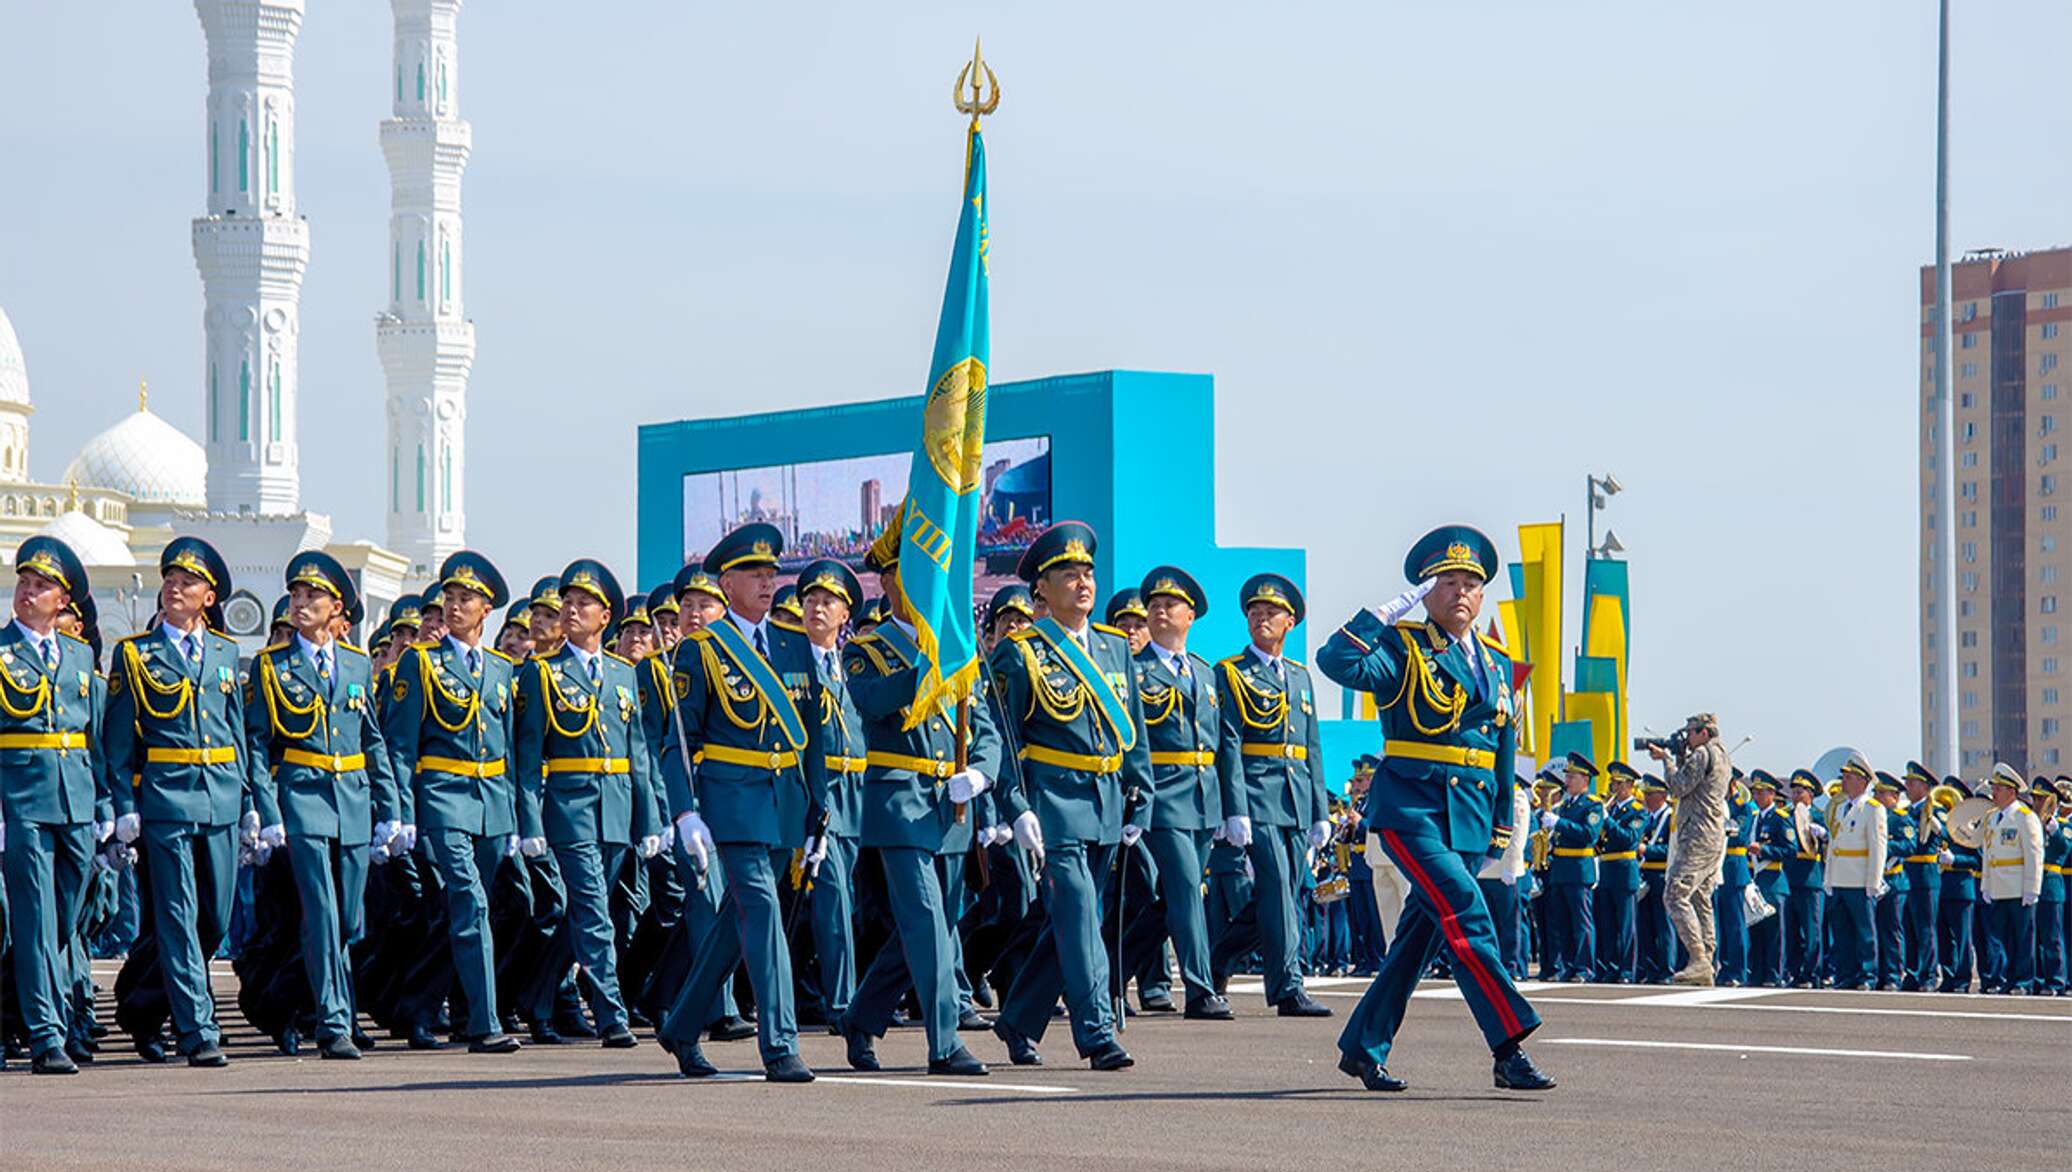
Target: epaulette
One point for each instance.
(781, 625)
(1417, 625)
(619, 657)
(502, 656)
(1492, 644)
(1294, 662)
(701, 634)
(132, 637)
(1230, 659)
(273, 647)
(1108, 629)
(866, 637)
(1024, 633)
(350, 647)
(424, 644)
(75, 638)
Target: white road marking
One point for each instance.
(961, 1084)
(1814, 1051)
(1955, 1014)
(1703, 996)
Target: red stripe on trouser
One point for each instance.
(1449, 925)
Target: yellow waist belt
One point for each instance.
(1443, 754)
(589, 765)
(1619, 856)
(1852, 854)
(1921, 859)
(753, 758)
(2054, 869)
(2004, 863)
(56, 740)
(1083, 762)
(1651, 865)
(324, 761)
(1282, 752)
(1772, 865)
(925, 766)
(1196, 757)
(1574, 852)
(213, 755)
(847, 764)
(1738, 851)
(478, 770)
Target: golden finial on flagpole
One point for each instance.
(982, 99)
(143, 395)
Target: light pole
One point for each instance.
(1609, 485)
(1942, 541)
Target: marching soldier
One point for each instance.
(174, 726)
(1127, 613)
(514, 638)
(1855, 877)
(544, 605)
(664, 610)
(1924, 879)
(2050, 897)
(827, 589)
(2013, 883)
(1657, 943)
(49, 794)
(1807, 876)
(1769, 846)
(448, 728)
(785, 610)
(1275, 806)
(1618, 876)
(746, 776)
(1442, 801)
(1070, 698)
(316, 749)
(431, 617)
(1190, 762)
(583, 786)
(1900, 845)
(1573, 827)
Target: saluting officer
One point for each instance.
(583, 785)
(1618, 876)
(1856, 878)
(1442, 800)
(1573, 827)
(316, 745)
(49, 791)
(448, 729)
(175, 727)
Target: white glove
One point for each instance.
(2029, 900)
(1319, 834)
(1818, 830)
(1879, 891)
(1029, 832)
(967, 785)
(1130, 834)
(128, 827)
(405, 840)
(383, 833)
(532, 848)
(1549, 820)
(248, 828)
(273, 836)
(1395, 608)
(511, 847)
(103, 831)
(1945, 858)
(695, 838)
(1505, 877)
(1827, 889)
(1218, 835)
(258, 855)
(1237, 831)
(650, 845)
(668, 837)
(813, 853)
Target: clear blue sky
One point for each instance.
(1676, 242)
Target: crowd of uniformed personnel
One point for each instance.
(709, 810)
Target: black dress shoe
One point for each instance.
(1301, 1004)
(207, 1054)
(362, 1040)
(496, 1043)
(1209, 1008)
(424, 1039)
(1517, 1073)
(1020, 1049)
(863, 1054)
(53, 1061)
(982, 995)
(690, 1062)
(572, 1025)
(1111, 1057)
(288, 1041)
(790, 1068)
(638, 1020)
(1221, 981)
(618, 1037)
(151, 1049)
(544, 1034)
(731, 1028)
(340, 1048)
(972, 1019)
(1158, 1003)
(963, 1063)
(1374, 1078)
(81, 1051)
(96, 1031)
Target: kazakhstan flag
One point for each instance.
(938, 545)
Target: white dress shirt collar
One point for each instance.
(1172, 659)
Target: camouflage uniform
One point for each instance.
(1698, 782)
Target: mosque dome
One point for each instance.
(96, 544)
(147, 459)
(14, 375)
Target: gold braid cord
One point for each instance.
(1062, 707)
(558, 702)
(470, 705)
(1420, 685)
(1258, 708)
(37, 698)
(145, 685)
(1158, 706)
(716, 676)
(277, 702)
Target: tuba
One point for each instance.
(1967, 822)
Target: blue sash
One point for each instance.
(1112, 708)
(899, 642)
(759, 673)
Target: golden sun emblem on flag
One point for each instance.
(953, 426)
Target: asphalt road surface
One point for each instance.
(1650, 1077)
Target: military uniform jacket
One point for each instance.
(1192, 762)
(2057, 860)
(1960, 878)
(842, 746)
(748, 762)
(1579, 818)
(50, 727)
(580, 752)
(1273, 724)
(449, 734)
(1923, 862)
(2013, 853)
(1081, 751)
(1734, 873)
(1654, 839)
(1618, 847)
(1899, 844)
(904, 801)
(1768, 848)
(316, 750)
(1856, 846)
(1451, 744)
(175, 729)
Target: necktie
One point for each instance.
(762, 645)
(474, 662)
(828, 666)
(324, 668)
(50, 654)
(192, 646)
(594, 678)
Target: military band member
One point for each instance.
(448, 728)
(1769, 846)
(1573, 827)
(746, 776)
(1618, 876)
(1956, 912)
(49, 792)
(1890, 914)
(1855, 865)
(1442, 800)
(1069, 695)
(2050, 898)
(827, 589)
(1807, 876)
(175, 728)
(583, 786)
(1655, 941)
(2013, 882)
(1924, 879)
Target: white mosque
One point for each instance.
(141, 482)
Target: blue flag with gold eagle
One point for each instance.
(938, 546)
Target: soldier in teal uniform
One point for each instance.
(448, 727)
(1924, 878)
(49, 793)
(1729, 909)
(1275, 804)
(1442, 800)
(1618, 876)
(1805, 875)
(1573, 826)
(1890, 911)
(827, 590)
(786, 611)
(315, 745)
(913, 795)
(757, 779)
(1127, 612)
(584, 791)
(1190, 757)
(1769, 846)
(174, 726)
(2050, 899)
(1956, 910)
(1068, 691)
(1656, 943)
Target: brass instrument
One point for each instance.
(1933, 811)
(1802, 827)
(1540, 847)
(1967, 822)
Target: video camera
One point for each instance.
(1673, 743)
